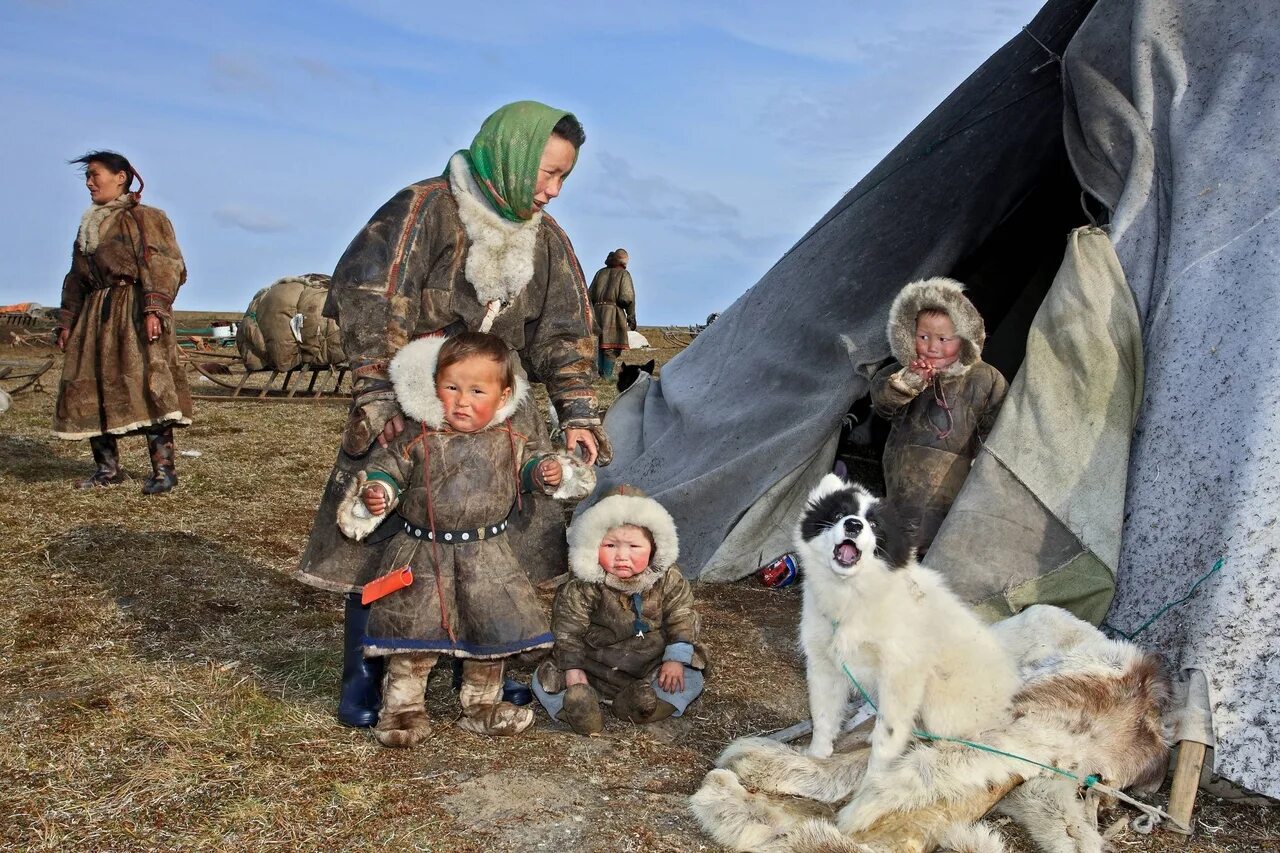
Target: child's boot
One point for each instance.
(107, 458)
(639, 704)
(483, 711)
(581, 709)
(361, 676)
(403, 722)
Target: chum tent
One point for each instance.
(1139, 444)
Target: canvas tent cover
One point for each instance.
(283, 327)
(1139, 444)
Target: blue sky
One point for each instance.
(717, 132)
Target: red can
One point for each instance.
(781, 572)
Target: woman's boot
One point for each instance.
(604, 362)
(403, 722)
(361, 676)
(105, 455)
(164, 475)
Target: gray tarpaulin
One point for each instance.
(753, 405)
(1174, 124)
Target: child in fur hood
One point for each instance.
(940, 397)
(624, 624)
(450, 583)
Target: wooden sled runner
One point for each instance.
(18, 375)
(302, 384)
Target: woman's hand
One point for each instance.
(671, 676)
(584, 437)
(549, 472)
(574, 676)
(151, 325)
(390, 430)
(63, 334)
(375, 499)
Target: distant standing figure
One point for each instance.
(613, 304)
(121, 374)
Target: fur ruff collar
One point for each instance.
(944, 294)
(500, 257)
(614, 511)
(413, 375)
(91, 222)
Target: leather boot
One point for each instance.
(361, 676)
(164, 476)
(105, 455)
(581, 710)
(483, 711)
(403, 722)
(637, 703)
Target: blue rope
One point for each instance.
(1163, 610)
(638, 625)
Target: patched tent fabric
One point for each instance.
(1169, 112)
(284, 327)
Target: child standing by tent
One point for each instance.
(625, 625)
(940, 397)
(450, 582)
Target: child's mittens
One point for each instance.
(576, 480)
(907, 381)
(354, 518)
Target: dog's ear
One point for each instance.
(893, 542)
(828, 484)
(649, 366)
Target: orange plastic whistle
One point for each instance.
(394, 580)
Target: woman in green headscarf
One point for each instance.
(470, 250)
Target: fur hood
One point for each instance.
(413, 374)
(944, 294)
(623, 505)
(500, 257)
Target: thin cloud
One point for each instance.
(247, 219)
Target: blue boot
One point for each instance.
(361, 676)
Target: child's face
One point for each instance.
(625, 552)
(471, 390)
(936, 340)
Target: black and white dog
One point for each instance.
(924, 657)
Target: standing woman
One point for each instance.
(470, 250)
(121, 374)
(613, 300)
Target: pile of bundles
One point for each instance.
(284, 329)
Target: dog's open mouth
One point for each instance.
(846, 553)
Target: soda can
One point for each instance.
(781, 572)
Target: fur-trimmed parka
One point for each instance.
(595, 621)
(125, 264)
(468, 598)
(613, 302)
(936, 429)
(438, 258)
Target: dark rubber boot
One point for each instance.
(164, 475)
(605, 364)
(515, 692)
(638, 703)
(361, 676)
(107, 458)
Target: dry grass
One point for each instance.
(165, 685)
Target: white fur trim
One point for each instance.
(946, 295)
(614, 511)
(576, 480)
(500, 257)
(413, 375)
(354, 518)
(171, 419)
(91, 222)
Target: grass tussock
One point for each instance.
(166, 685)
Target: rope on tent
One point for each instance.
(1172, 604)
(1053, 56)
(1091, 781)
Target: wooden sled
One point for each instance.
(303, 384)
(18, 375)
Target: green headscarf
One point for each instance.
(505, 154)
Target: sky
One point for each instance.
(718, 132)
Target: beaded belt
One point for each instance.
(453, 537)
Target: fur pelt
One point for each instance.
(87, 237)
(905, 636)
(611, 512)
(354, 518)
(946, 295)
(1088, 705)
(413, 375)
(577, 480)
(500, 257)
